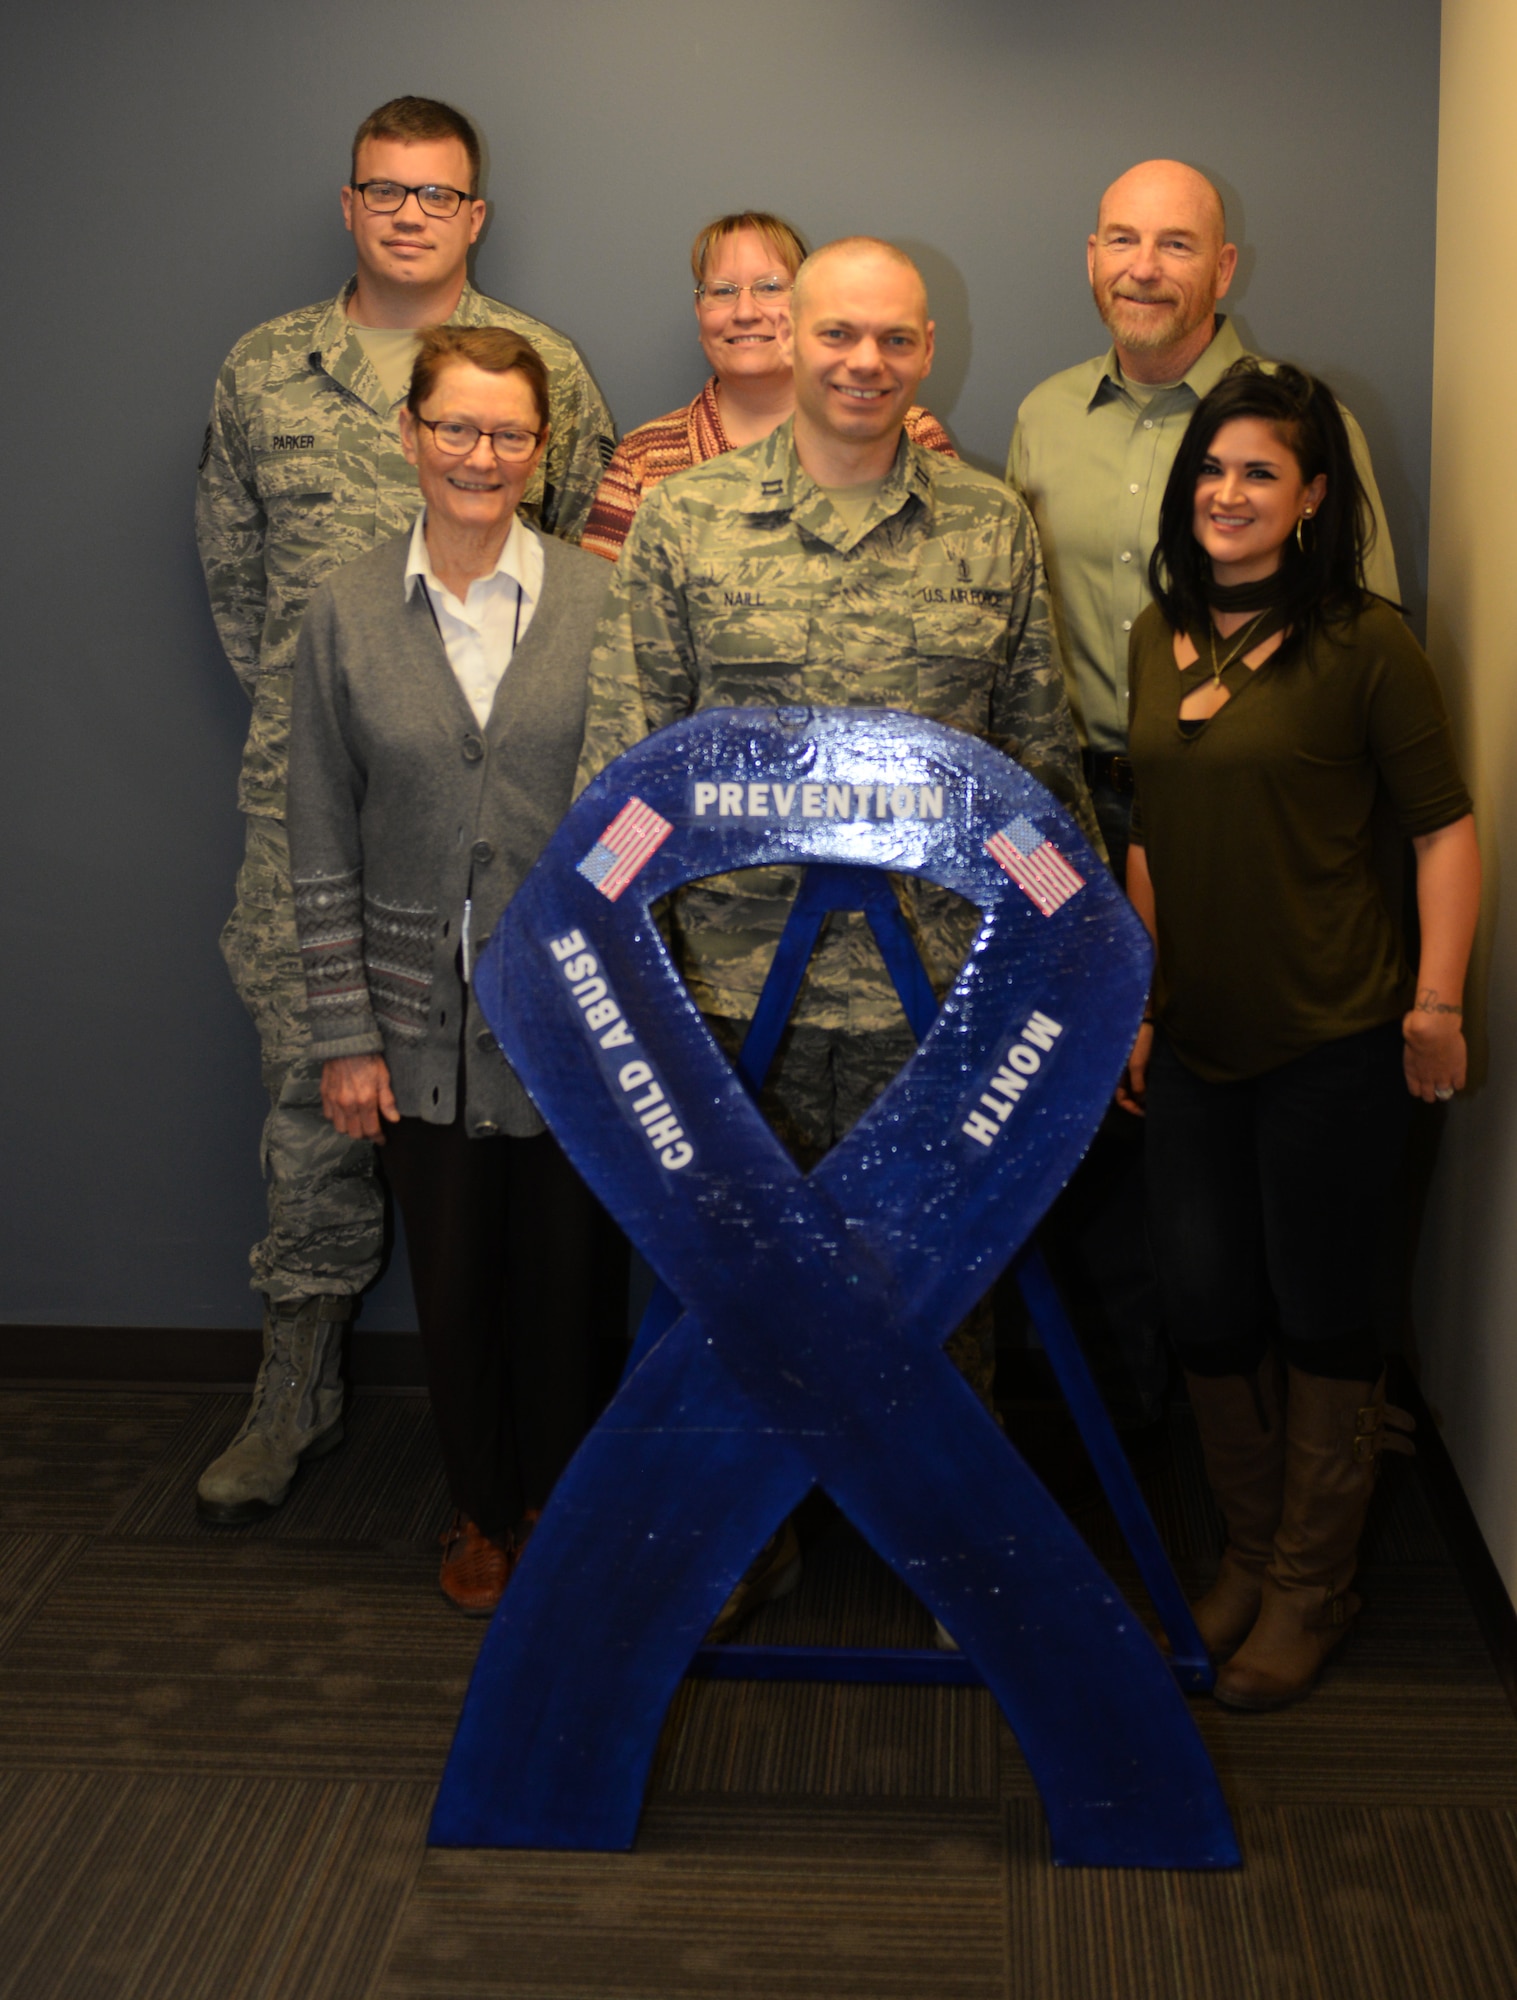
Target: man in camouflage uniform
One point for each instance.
(835, 563)
(303, 470)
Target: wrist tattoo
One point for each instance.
(1429, 1003)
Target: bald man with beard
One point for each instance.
(1091, 455)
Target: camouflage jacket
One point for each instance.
(739, 585)
(302, 470)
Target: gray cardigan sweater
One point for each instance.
(401, 807)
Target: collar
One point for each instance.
(777, 483)
(520, 560)
(708, 438)
(338, 352)
(1203, 375)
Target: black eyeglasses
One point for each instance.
(386, 197)
(458, 440)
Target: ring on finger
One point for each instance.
(1443, 1092)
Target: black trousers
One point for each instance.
(520, 1280)
(1269, 1202)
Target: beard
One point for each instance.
(1149, 329)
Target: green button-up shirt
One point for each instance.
(1092, 462)
(740, 584)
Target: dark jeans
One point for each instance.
(520, 1278)
(1268, 1204)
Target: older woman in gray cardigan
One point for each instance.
(438, 711)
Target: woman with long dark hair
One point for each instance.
(1277, 709)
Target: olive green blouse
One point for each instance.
(1274, 932)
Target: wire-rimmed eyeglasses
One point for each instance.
(763, 291)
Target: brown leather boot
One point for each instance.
(1241, 1419)
(1335, 1432)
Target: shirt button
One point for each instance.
(1127, 555)
(1126, 624)
(484, 1041)
(1134, 487)
(473, 749)
(482, 851)
(1148, 423)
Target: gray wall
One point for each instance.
(171, 179)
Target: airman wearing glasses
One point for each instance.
(304, 469)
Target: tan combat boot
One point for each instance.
(296, 1412)
(1335, 1432)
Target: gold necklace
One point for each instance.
(1219, 668)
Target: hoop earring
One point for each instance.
(1305, 516)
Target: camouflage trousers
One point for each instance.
(819, 1086)
(326, 1205)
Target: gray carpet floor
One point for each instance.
(218, 1751)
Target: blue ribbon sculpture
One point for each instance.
(800, 1342)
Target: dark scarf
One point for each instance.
(1264, 595)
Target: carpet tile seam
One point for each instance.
(190, 1418)
(225, 1808)
(330, 1841)
(1448, 1854)
(70, 1556)
(1427, 1828)
(97, 1835)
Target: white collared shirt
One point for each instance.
(481, 632)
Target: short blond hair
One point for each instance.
(783, 239)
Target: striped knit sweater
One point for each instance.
(686, 437)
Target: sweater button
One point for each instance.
(486, 1129)
(484, 1041)
(482, 851)
(474, 749)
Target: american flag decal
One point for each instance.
(632, 838)
(1034, 864)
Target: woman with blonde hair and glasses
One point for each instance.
(744, 267)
